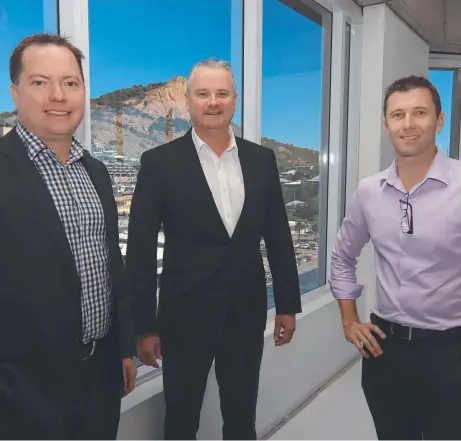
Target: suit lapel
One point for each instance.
(198, 182)
(246, 166)
(45, 214)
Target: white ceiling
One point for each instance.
(438, 22)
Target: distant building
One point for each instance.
(304, 168)
(293, 184)
(291, 190)
(288, 173)
(121, 173)
(295, 203)
(314, 181)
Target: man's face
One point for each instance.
(411, 122)
(211, 98)
(50, 94)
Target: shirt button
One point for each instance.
(404, 282)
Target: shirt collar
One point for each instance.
(438, 171)
(199, 144)
(35, 145)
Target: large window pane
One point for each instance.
(295, 120)
(19, 19)
(139, 60)
(138, 79)
(443, 80)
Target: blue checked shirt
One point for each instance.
(82, 216)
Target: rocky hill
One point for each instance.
(138, 118)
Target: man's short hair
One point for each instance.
(41, 39)
(406, 84)
(214, 64)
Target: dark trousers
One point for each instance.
(413, 390)
(237, 352)
(87, 408)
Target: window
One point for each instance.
(19, 19)
(139, 60)
(296, 56)
(443, 80)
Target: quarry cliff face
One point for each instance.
(135, 119)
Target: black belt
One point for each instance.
(410, 333)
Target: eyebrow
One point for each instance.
(414, 108)
(67, 77)
(206, 90)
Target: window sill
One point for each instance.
(150, 381)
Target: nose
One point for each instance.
(57, 93)
(408, 122)
(213, 101)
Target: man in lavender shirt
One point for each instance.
(411, 370)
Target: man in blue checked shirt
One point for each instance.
(66, 337)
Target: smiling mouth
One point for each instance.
(57, 113)
(409, 138)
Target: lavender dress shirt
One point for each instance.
(419, 274)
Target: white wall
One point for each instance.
(390, 50)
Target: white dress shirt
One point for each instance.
(225, 179)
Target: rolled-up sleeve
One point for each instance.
(352, 237)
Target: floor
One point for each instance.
(338, 412)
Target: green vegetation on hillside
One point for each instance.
(119, 96)
(289, 155)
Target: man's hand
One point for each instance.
(129, 375)
(359, 334)
(149, 349)
(285, 326)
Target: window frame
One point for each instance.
(345, 12)
(452, 62)
(328, 154)
(344, 120)
(74, 23)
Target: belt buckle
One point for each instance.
(407, 336)
(93, 348)
(410, 330)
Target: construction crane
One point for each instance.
(119, 126)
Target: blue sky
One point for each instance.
(443, 80)
(159, 39)
(169, 36)
(18, 19)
